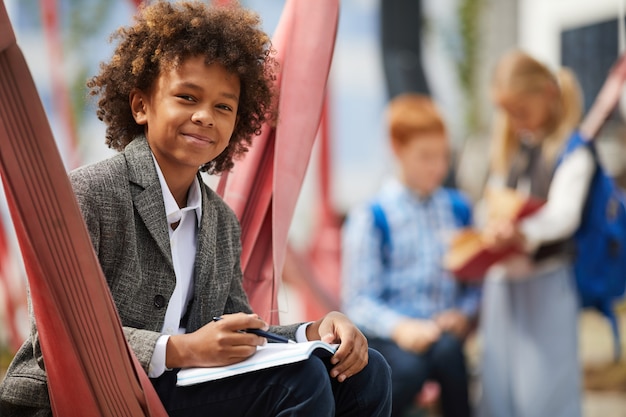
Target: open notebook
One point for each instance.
(267, 356)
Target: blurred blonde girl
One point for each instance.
(530, 364)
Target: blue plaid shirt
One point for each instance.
(413, 283)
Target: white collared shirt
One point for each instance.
(183, 245)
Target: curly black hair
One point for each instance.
(164, 35)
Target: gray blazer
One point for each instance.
(122, 204)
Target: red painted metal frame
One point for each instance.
(90, 367)
(263, 188)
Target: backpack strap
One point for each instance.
(380, 222)
(575, 141)
(460, 207)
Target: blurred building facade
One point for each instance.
(580, 33)
(583, 35)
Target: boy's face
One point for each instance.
(189, 114)
(424, 162)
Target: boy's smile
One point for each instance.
(189, 114)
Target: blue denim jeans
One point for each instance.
(301, 389)
(444, 362)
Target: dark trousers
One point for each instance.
(444, 362)
(301, 389)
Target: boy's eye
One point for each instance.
(185, 97)
(225, 107)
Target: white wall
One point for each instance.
(541, 23)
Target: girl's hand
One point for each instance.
(416, 335)
(352, 355)
(217, 343)
(502, 234)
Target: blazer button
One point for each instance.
(159, 301)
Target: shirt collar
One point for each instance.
(172, 211)
(399, 188)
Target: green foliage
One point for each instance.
(469, 21)
(5, 359)
(83, 21)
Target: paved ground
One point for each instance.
(605, 381)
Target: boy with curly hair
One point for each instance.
(187, 87)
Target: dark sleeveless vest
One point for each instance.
(531, 171)
(530, 167)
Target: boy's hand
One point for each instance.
(217, 343)
(416, 335)
(352, 355)
(455, 322)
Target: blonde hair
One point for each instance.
(409, 115)
(517, 72)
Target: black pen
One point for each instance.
(263, 333)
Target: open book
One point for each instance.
(468, 257)
(266, 356)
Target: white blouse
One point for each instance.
(560, 216)
(558, 219)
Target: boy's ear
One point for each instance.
(396, 147)
(137, 106)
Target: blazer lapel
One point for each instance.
(203, 306)
(147, 194)
(206, 236)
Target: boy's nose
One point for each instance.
(202, 117)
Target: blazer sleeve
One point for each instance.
(141, 341)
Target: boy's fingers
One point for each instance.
(350, 365)
(240, 321)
